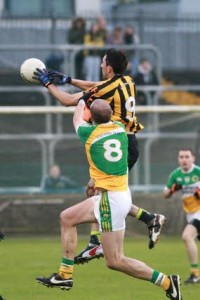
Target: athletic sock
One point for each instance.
(145, 216)
(194, 269)
(94, 238)
(66, 268)
(160, 279)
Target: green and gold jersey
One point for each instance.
(106, 149)
(190, 181)
(120, 93)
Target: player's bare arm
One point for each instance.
(64, 97)
(78, 114)
(82, 84)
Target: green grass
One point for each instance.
(23, 259)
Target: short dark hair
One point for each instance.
(117, 59)
(186, 149)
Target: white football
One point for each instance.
(28, 68)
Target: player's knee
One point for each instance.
(64, 219)
(186, 237)
(112, 263)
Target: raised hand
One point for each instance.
(59, 78)
(43, 77)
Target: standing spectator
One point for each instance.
(55, 182)
(101, 21)
(76, 37)
(186, 178)
(145, 76)
(96, 36)
(132, 38)
(116, 36)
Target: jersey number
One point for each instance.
(130, 104)
(112, 150)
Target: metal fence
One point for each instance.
(26, 153)
(33, 138)
(176, 38)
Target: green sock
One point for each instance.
(66, 268)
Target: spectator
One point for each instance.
(132, 38)
(76, 37)
(54, 61)
(145, 76)
(55, 182)
(95, 37)
(116, 36)
(101, 21)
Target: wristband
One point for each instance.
(69, 80)
(81, 101)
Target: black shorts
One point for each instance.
(196, 224)
(133, 150)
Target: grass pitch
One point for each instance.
(23, 259)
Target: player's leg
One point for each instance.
(189, 236)
(111, 213)
(93, 249)
(133, 150)
(153, 221)
(112, 243)
(69, 219)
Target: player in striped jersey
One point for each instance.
(119, 91)
(106, 146)
(187, 179)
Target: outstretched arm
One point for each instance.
(64, 97)
(78, 114)
(44, 77)
(82, 84)
(61, 78)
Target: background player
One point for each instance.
(187, 179)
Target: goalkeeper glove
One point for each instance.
(197, 194)
(1, 236)
(43, 77)
(59, 78)
(175, 187)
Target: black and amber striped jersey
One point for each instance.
(120, 93)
